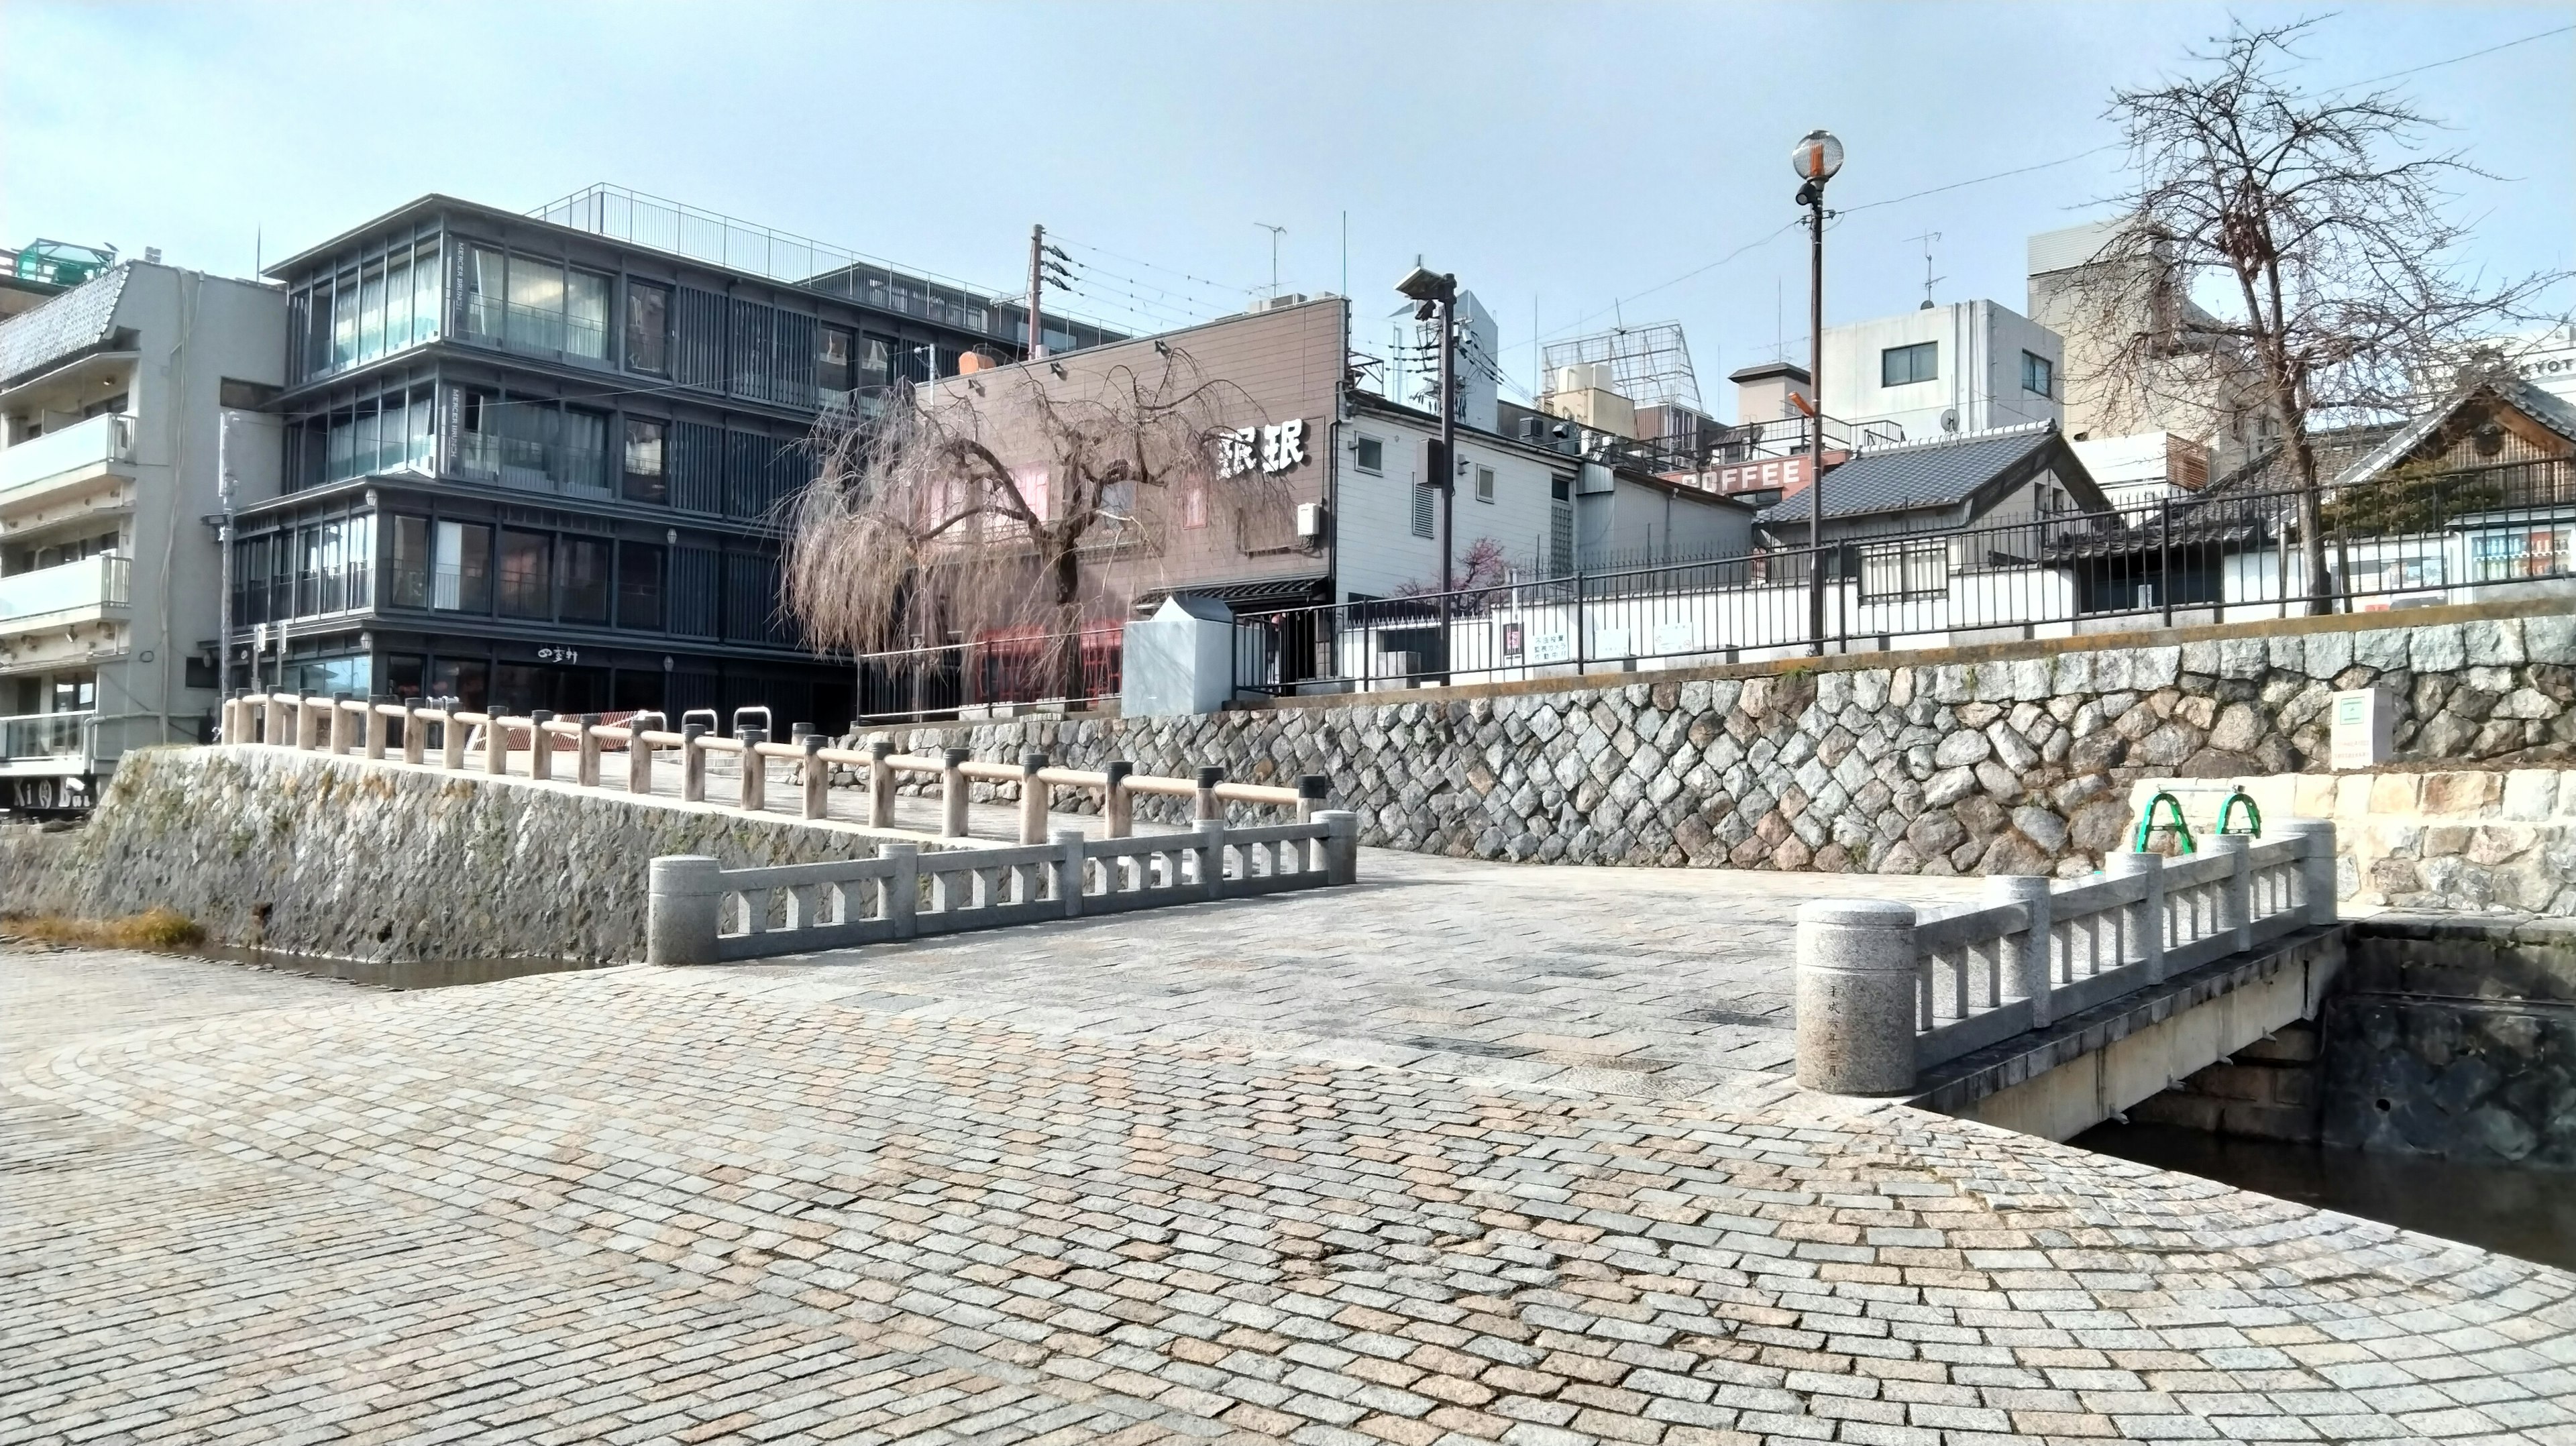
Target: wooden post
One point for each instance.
(755, 770)
(451, 736)
(586, 755)
(541, 744)
(639, 754)
(496, 744)
(415, 726)
(376, 731)
(952, 793)
(817, 778)
(1117, 805)
(880, 783)
(338, 712)
(1033, 799)
(1208, 805)
(278, 731)
(693, 763)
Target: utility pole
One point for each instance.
(1275, 233)
(1037, 283)
(1816, 157)
(1436, 296)
(224, 493)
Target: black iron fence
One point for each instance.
(2238, 556)
(954, 679)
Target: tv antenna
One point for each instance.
(1927, 238)
(1275, 233)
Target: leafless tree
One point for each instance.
(1014, 503)
(2300, 245)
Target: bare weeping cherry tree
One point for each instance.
(2298, 247)
(1012, 504)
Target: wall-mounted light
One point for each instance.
(1057, 367)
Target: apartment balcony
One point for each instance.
(61, 465)
(36, 743)
(94, 589)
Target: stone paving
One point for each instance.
(798, 1203)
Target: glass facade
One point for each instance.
(362, 312)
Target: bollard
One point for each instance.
(376, 734)
(1310, 797)
(276, 729)
(1068, 869)
(586, 750)
(496, 744)
(1033, 799)
(816, 778)
(339, 716)
(2235, 896)
(903, 891)
(1117, 805)
(2145, 921)
(952, 793)
(2318, 867)
(1211, 852)
(451, 736)
(415, 734)
(541, 745)
(681, 909)
(880, 783)
(228, 727)
(639, 753)
(1859, 996)
(755, 770)
(2027, 972)
(1341, 845)
(1208, 807)
(693, 763)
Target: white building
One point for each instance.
(1971, 366)
(2145, 468)
(112, 397)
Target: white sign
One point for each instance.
(1672, 638)
(1550, 648)
(1269, 450)
(2363, 729)
(1609, 642)
(559, 655)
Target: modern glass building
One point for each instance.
(538, 460)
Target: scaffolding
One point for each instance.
(1651, 364)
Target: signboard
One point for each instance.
(1672, 638)
(1511, 640)
(1609, 642)
(2363, 729)
(1551, 648)
(1268, 450)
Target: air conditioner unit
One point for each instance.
(1310, 521)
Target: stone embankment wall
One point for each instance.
(2008, 759)
(342, 856)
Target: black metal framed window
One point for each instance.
(1900, 366)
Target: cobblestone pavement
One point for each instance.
(631, 1205)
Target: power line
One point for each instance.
(2454, 60)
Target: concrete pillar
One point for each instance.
(377, 731)
(2236, 895)
(815, 777)
(339, 715)
(415, 729)
(1068, 869)
(880, 784)
(903, 890)
(1211, 852)
(693, 763)
(1859, 996)
(1033, 799)
(755, 770)
(2318, 878)
(1311, 792)
(639, 754)
(278, 731)
(541, 744)
(2145, 921)
(1117, 805)
(1341, 845)
(451, 736)
(2027, 971)
(952, 793)
(1207, 805)
(680, 923)
(496, 744)
(586, 753)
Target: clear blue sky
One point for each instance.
(1570, 156)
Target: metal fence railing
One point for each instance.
(2448, 537)
(954, 679)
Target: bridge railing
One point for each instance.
(1884, 994)
(445, 735)
(701, 913)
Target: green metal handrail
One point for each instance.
(2253, 814)
(2178, 828)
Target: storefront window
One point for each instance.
(407, 566)
(461, 568)
(585, 580)
(639, 586)
(527, 574)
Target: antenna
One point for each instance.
(1927, 238)
(1275, 233)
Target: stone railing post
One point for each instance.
(1117, 805)
(684, 894)
(1341, 845)
(693, 763)
(1207, 804)
(277, 730)
(415, 727)
(541, 744)
(496, 743)
(312, 715)
(451, 736)
(952, 792)
(228, 720)
(2027, 973)
(903, 890)
(1311, 792)
(586, 751)
(2236, 895)
(2145, 924)
(338, 707)
(639, 754)
(755, 770)
(2318, 877)
(1211, 852)
(377, 735)
(816, 778)
(880, 783)
(1033, 799)
(1859, 996)
(1068, 869)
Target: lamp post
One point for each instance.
(1435, 294)
(1816, 157)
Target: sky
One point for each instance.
(1576, 165)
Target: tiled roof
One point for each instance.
(1922, 474)
(2543, 407)
(74, 321)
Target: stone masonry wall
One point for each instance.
(342, 856)
(2018, 762)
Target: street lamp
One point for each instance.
(1816, 158)
(1435, 295)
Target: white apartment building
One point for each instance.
(112, 398)
(1971, 366)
